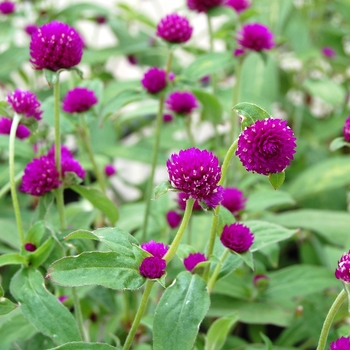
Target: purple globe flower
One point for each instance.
(171, 76)
(167, 118)
(154, 248)
(328, 52)
(346, 129)
(40, 176)
(79, 100)
(174, 28)
(7, 7)
(110, 170)
(152, 267)
(342, 272)
(55, 46)
(30, 247)
(31, 29)
(193, 260)
(238, 5)
(173, 218)
(181, 200)
(267, 146)
(342, 343)
(202, 5)
(154, 80)
(233, 200)
(100, 19)
(196, 173)
(237, 237)
(181, 102)
(22, 132)
(25, 103)
(256, 37)
(238, 52)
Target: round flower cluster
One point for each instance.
(346, 129)
(154, 80)
(173, 218)
(267, 146)
(238, 5)
(342, 343)
(328, 52)
(7, 7)
(174, 28)
(110, 170)
(233, 200)
(196, 173)
(181, 102)
(79, 100)
(193, 260)
(343, 270)
(55, 46)
(31, 29)
(202, 5)
(153, 266)
(22, 131)
(25, 103)
(237, 237)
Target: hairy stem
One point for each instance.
(215, 275)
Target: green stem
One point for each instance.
(185, 220)
(229, 154)
(215, 275)
(329, 319)
(78, 315)
(15, 202)
(148, 288)
(7, 187)
(189, 131)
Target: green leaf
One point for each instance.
(51, 76)
(277, 179)
(225, 218)
(43, 309)
(338, 143)
(13, 259)
(262, 200)
(6, 306)
(78, 71)
(84, 346)
(249, 113)
(179, 313)
(35, 233)
(218, 332)
(163, 188)
(110, 270)
(98, 200)
(211, 106)
(40, 255)
(247, 257)
(5, 109)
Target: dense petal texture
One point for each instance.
(31, 29)
(174, 29)
(267, 146)
(192, 260)
(196, 173)
(7, 7)
(25, 103)
(346, 129)
(154, 80)
(233, 200)
(173, 218)
(54, 46)
(155, 248)
(182, 198)
(152, 267)
(238, 5)
(181, 102)
(256, 37)
(202, 5)
(79, 100)
(22, 131)
(237, 237)
(342, 343)
(110, 170)
(343, 270)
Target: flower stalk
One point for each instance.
(216, 272)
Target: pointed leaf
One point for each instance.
(162, 188)
(51, 76)
(13, 259)
(84, 346)
(40, 255)
(277, 179)
(247, 257)
(6, 306)
(338, 143)
(35, 233)
(250, 113)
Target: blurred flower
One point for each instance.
(238, 52)
(55, 46)
(202, 5)
(30, 247)
(237, 237)
(196, 173)
(181, 199)
(260, 280)
(267, 146)
(193, 260)
(154, 80)
(174, 29)
(233, 200)
(343, 270)
(79, 100)
(7, 7)
(328, 52)
(171, 76)
(173, 218)
(256, 37)
(25, 103)
(342, 343)
(205, 80)
(155, 248)
(346, 129)
(238, 5)
(31, 29)
(152, 267)
(63, 298)
(110, 170)
(100, 19)
(167, 118)
(22, 132)
(132, 59)
(181, 102)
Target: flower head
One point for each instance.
(342, 343)
(233, 199)
(181, 200)
(173, 218)
(193, 260)
(237, 237)
(25, 103)
(343, 270)
(167, 118)
(346, 129)
(63, 298)
(154, 248)
(7, 7)
(154, 80)
(260, 280)
(100, 19)
(256, 37)
(238, 5)
(22, 131)
(328, 52)
(30, 247)
(181, 102)
(152, 267)
(110, 170)
(267, 146)
(55, 46)
(31, 29)
(202, 5)
(79, 100)
(174, 29)
(196, 173)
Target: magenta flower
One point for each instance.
(328, 52)
(110, 170)
(22, 131)
(237, 237)
(79, 100)
(7, 7)
(196, 173)
(25, 103)
(267, 146)
(173, 218)
(63, 298)
(167, 118)
(55, 46)
(233, 200)
(174, 28)
(154, 80)
(31, 29)
(202, 5)
(256, 37)
(181, 200)
(154, 248)
(238, 52)
(171, 76)
(346, 129)
(132, 59)
(343, 270)
(30, 247)
(238, 5)
(342, 343)
(100, 19)
(181, 102)
(193, 260)
(152, 267)
(260, 280)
